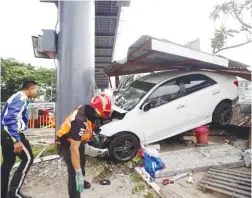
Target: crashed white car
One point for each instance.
(165, 104)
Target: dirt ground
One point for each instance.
(49, 180)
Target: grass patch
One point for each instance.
(50, 150)
(138, 188)
(149, 195)
(135, 177)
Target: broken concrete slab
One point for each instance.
(200, 159)
(241, 144)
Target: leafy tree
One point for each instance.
(14, 73)
(241, 13)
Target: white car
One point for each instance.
(165, 104)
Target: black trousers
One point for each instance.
(9, 158)
(65, 149)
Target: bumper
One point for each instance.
(235, 101)
(103, 141)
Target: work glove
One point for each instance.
(79, 180)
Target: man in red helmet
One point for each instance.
(75, 131)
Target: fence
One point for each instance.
(42, 122)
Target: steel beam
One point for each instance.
(105, 56)
(103, 48)
(104, 34)
(76, 56)
(106, 15)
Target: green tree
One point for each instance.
(14, 73)
(241, 13)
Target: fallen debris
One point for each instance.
(190, 179)
(41, 152)
(247, 157)
(179, 176)
(42, 159)
(227, 181)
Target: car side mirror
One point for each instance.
(146, 106)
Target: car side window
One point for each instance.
(165, 93)
(196, 82)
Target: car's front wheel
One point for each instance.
(123, 147)
(223, 114)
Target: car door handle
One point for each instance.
(180, 106)
(217, 92)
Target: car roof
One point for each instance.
(161, 76)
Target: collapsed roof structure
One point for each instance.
(149, 54)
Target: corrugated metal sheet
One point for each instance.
(106, 25)
(150, 54)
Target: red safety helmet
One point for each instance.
(102, 105)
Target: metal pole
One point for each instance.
(51, 87)
(76, 56)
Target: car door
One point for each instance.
(166, 114)
(202, 96)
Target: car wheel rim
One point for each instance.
(225, 116)
(124, 149)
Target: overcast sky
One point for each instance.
(179, 21)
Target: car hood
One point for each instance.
(118, 109)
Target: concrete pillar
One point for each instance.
(76, 56)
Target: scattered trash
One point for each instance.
(179, 176)
(228, 142)
(105, 182)
(152, 164)
(227, 181)
(167, 181)
(190, 178)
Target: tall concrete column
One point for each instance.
(76, 56)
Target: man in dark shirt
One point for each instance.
(75, 131)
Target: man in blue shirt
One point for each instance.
(14, 120)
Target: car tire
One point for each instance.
(123, 147)
(223, 114)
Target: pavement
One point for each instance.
(200, 159)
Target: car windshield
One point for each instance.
(133, 94)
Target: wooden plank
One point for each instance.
(231, 173)
(40, 153)
(230, 176)
(234, 185)
(232, 194)
(242, 192)
(234, 171)
(42, 159)
(229, 180)
(146, 177)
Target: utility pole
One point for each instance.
(51, 87)
(76, 56)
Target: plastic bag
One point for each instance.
(152, 164)
(151, 151)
